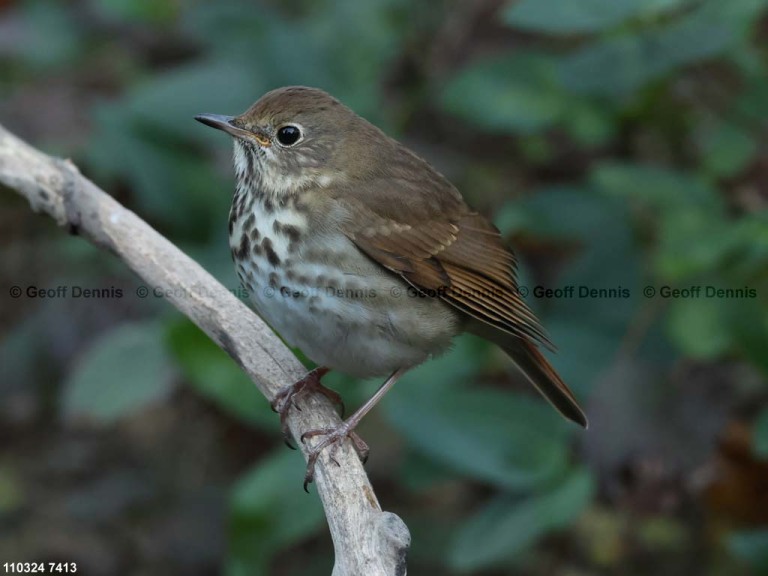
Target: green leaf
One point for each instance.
(569, 17)
(511, 218)
(727, 149)
(694, 236)
(752, 547)
(589, 123)
(760, 435)
(144, 11)
(747, 319)
(692, 243)
(170, 102)
(656, 187)
(310, 48)
(508, 524)
(622, 64)
(541, 213)
(144, 140)
(216, 376)
(123, 372)
(586, 327)
(507, 439)
(52, 36)
(696, 326)
(514, 93)
(421, 475)
(751, 102)
(584, 351)
(270, 512)
(749, 239)
(169, 175)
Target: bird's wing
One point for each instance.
(436, 243)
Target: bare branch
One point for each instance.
(367, 541)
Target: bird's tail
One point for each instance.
(543, 376)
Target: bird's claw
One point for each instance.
(333, 438)
(287, 396)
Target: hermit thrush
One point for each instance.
(362, 255)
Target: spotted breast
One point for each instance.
(324, 296)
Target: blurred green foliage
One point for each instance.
(266, 515)
(125, 370)
(209, 370)
(507, 525)
(618, 143)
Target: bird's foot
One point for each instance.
(333, 438)
(288, 395)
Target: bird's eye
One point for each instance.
(288, 135)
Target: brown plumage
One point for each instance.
(347, 218)
(458, 255)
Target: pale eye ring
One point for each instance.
(288, 135)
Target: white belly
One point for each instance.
(337, 306)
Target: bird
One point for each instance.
(361, 254)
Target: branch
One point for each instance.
(366, 539)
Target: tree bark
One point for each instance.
(367, 541)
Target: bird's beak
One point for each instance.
(225, 124)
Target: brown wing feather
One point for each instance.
(462, 256)
(499, 307)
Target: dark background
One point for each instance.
(616, 143)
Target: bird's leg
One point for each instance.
(334, 436)
(288, 395)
